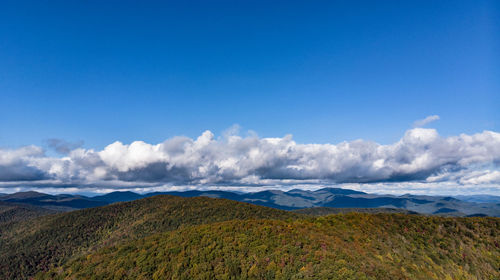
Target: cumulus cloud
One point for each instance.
(427, 120)
(421, 155)
(15, 165)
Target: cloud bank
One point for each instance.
(421, 156)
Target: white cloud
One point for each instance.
(427, 120)
(421, 155)
(482, 177)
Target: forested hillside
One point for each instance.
(13, 212)
(323, 211)
(343, 246)
(168, 237)
(37, 244)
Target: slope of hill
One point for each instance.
(14, 212)
(323, 211)
(35, 245)
(344, 246)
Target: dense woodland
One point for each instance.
(344, 246)
(166, 237)
(13, 212)
(323, 211)
(37, 244)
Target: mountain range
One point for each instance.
(475, 205)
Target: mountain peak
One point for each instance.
(339, 191)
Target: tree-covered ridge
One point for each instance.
(343, 246)
(36, 245)
(13, 212)
(323, 211)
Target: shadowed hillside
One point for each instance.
(344, 246)
(323, 211)
(164, 237)
(14, 212)
(35, 245)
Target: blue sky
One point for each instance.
(323, 71)
(96, 72)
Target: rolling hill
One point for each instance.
(323, 211)
(37, 244)
(14, 212)
(171, 237)
(344, 246)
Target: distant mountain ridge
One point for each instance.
(290, 200)
(61, 202)
(481, 198)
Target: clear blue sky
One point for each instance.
(324, 71)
